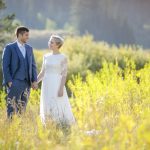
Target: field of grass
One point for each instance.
(111, 107)
(109, 91)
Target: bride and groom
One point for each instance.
(20, 74)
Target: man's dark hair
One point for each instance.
(21, 30)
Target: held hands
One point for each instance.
(9, 84)
(60, 92)
(34, 85)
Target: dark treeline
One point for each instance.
(114, 21)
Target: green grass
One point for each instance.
(111, 107)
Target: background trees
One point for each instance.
(114, 21)
(7, 25)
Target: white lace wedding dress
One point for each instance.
(52, 106)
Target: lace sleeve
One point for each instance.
(43, 68)
(42, 72)
(43, 65)
(64, 65)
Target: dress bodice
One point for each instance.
(55, 64)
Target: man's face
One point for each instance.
(24, 37)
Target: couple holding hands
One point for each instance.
(20, 74)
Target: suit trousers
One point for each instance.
(17, 97)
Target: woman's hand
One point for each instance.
(35, 85)
(9, 84)
(60, 92)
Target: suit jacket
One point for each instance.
(11, 62)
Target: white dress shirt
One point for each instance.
(22, 48)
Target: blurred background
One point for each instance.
(114, 21)
(107, 43)
(94, 30)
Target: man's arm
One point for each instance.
(34, 73)
(34, 69)
(6, 60)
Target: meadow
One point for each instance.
(109, 91)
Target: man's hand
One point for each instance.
(34, 85)
(60, 93)
(9, 84)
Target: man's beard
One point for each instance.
(23, 41)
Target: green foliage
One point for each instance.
(85, 54)
(2, 4)
(50, 24)
(2, 99)
(7, 26)
(118, 107)
(112, 112)
(70, 28)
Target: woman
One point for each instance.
(54, 102)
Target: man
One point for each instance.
(19, 72)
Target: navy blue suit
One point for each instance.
(21, 72)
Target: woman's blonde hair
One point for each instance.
(59, 40)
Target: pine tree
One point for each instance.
(6, 26)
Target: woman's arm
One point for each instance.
(63, 79)
(41, 74)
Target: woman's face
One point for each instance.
(52, 44)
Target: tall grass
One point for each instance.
(111, 107)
